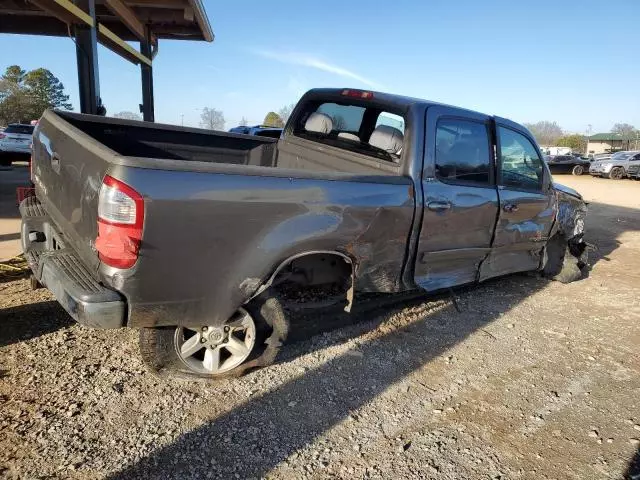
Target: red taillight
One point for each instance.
(358, 94)
(120, 220)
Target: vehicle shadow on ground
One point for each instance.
(633, 470)
(24, 322)
(253, 438)
(256, 436)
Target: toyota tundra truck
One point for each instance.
(198, 237)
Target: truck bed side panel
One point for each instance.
(210, 240)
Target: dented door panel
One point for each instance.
(528, 204)
(454, 241)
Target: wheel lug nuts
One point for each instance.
(204, 329)
(203, 340)
(226, 329)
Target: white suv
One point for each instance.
(15, 139)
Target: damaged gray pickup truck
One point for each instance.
(192, 235)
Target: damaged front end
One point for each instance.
(566, 254)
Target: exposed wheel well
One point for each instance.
(329, 276)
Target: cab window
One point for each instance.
(462, 152)
(520, 166)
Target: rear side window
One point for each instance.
(520, 166)
(462, 152)
(24, 129)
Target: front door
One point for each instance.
(460, 198)
(527, 205)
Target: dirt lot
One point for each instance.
(533, 379)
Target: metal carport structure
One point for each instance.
(111, 23)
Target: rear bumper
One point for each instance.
(60, 269)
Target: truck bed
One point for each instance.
(132, 138)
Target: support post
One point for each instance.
(87, 59)
(146, 72)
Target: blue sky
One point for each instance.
(574, 62)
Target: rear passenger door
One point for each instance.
(527, 204)
(460, 198)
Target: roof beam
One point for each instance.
(127, 16)
(119, 46)
(172, 4)
(70, 14)
(65, 11)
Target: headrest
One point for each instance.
(349, 136)
(387, 138)
(319, 123)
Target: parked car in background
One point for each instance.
(633, 170)
(556, 150)
(581, 155)
(614, 167)
(567, 164)
(259, 130)
(600, 156)
(15, 141)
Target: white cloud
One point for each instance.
(310, 61)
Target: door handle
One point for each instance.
(55, 162)
(438, 206)
(510, 207)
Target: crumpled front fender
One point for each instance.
(570, 222)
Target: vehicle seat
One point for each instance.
(319, 123)
(389, 139)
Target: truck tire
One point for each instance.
(577, 170)
(561, 265)
(616, 173)
(210, 353)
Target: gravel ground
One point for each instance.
(532, 379)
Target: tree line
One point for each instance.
(24, 96)
(213, 119)
(551, 134)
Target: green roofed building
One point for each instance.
(609, 142)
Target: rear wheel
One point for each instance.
(578, 170)
(212, 350)
(249, 339)
(616, 173)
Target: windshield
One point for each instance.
(24, 129)
(620, 156)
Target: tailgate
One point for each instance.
(68, 168)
